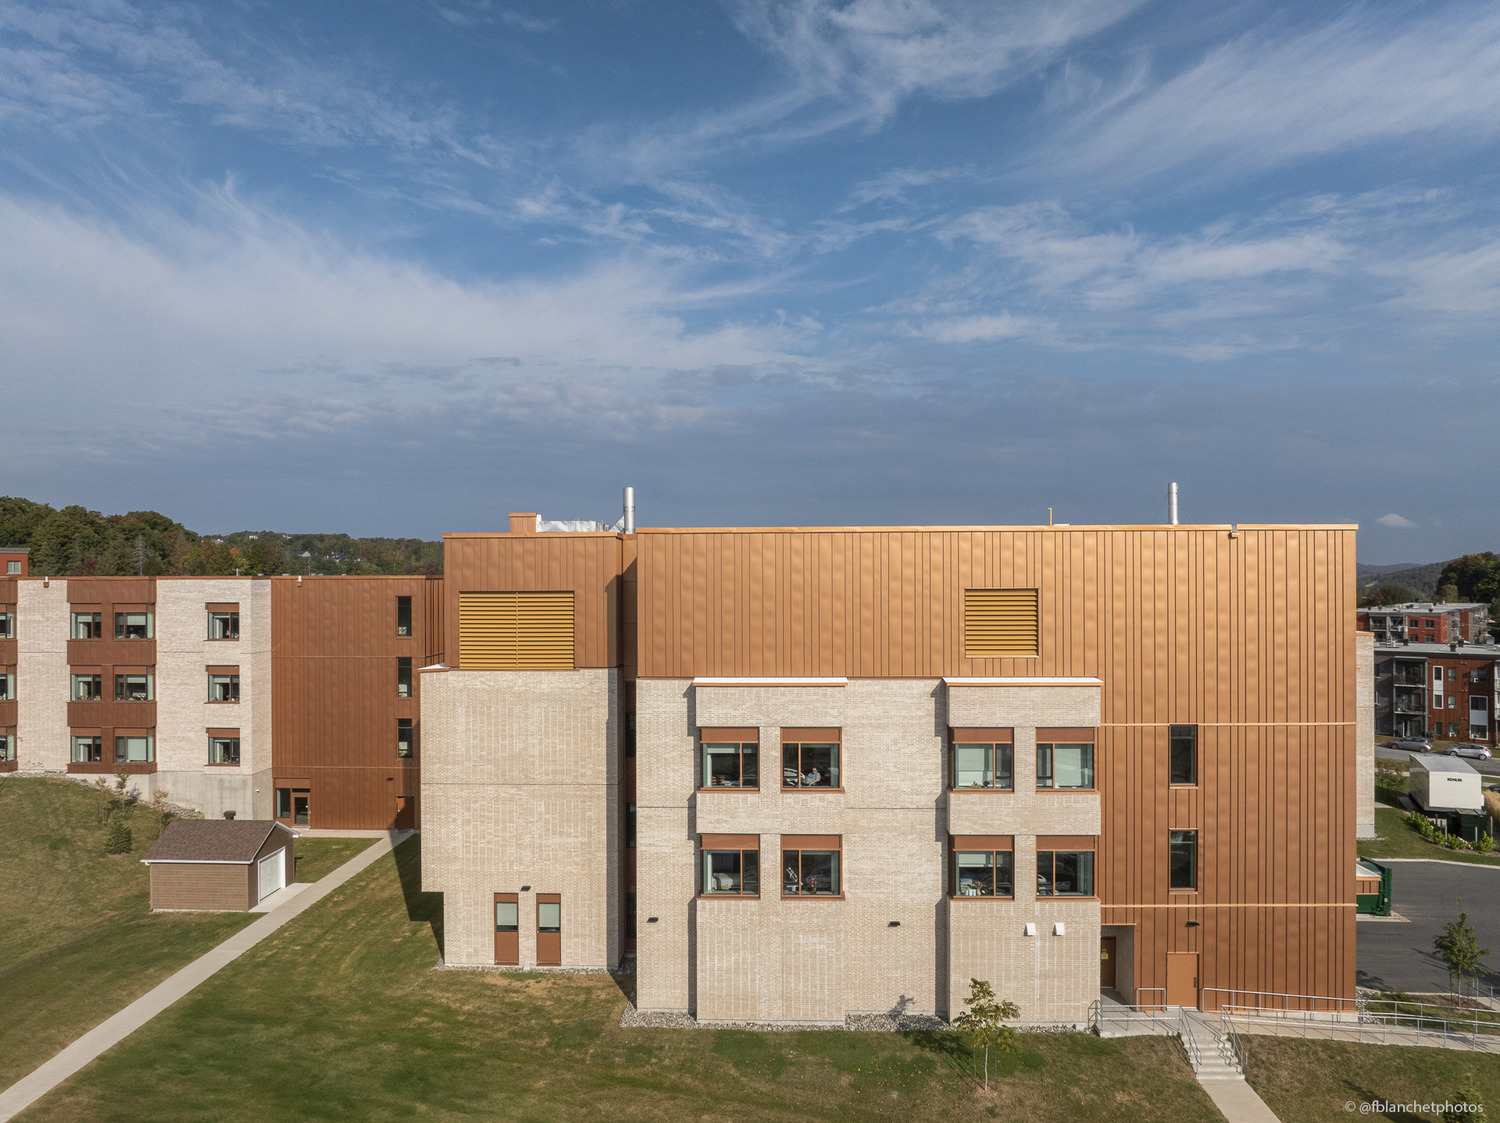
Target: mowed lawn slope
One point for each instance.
(77, 939)
(339, 1016)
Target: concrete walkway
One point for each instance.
(112, 1031)
(1220, 1078)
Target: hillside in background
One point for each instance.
(1420, 580)
(76, 542)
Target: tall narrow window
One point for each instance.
(1184, 739)
(1184, 859)
(630, 826)
(403, 677)
(403, 736)
(403, 616)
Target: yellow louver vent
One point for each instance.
(515, 631)
(1000, 623)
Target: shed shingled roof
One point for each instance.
(213, 840)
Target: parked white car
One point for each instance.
(1478, 752)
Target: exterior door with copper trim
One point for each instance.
(1182, 978)
(406, 813)
(549, 930)
(507, 930)
(1106, 961)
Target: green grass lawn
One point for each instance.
(1398, 840)
(339, 1016)
(77, 939)
(317, 857)
(1312, 1081)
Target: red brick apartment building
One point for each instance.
(1442, 691)
(801, 773)
(1426, 622)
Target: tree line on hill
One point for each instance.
(76, 542)
(1473, 578)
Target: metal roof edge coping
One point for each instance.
(800, 680)
(1026, 680)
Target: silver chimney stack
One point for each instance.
(1172, 504)
(630, 510)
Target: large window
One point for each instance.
(1064, 873)
(1184, 739)
(223, 687)
(7, 685)
(133, 625)
(1064, 764)
(980, 759)
(730, 758)
(7, 623)
(138, 749)
(135, 686)
(981, 867)
(87, 688)
(810, 758)
(730, 866)
(223, 749)
(1184, 859)
(87, 625)
(223, 623)
(810, 865)
(403, 616)
(87, 750)
(403, 677)
(403, 736)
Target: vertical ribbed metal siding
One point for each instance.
(515, 631)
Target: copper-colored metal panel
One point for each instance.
(1066, 841)
(994, 736)
(745, 734)
(1069, 734)
(814, 735)
(982, 841)
(729, 841)
(812, 842)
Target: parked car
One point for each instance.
(1411, 744)
(1478, 752)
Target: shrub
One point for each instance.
(119, 840)
(1485, 843)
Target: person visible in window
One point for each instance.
(812, 777)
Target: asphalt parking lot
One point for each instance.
(1398, 956)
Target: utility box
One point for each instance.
(1372, 888)
(1445, 784)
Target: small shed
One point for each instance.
(224, 865)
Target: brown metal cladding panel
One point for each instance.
(587, 564)
(202, 885)
(108, 591)
(729, 841)
(8, 713)
(107, 713)
(333, 670)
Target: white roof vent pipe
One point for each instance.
(1172, 504)
(629, 510)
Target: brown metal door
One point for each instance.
(1182, 978)
(406, 813)
(549, 930)
(507, 930)
(1106, 961)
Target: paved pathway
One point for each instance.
(112, 1031)
(1223, 1082)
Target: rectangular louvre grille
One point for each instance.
(515, 631)
(1000, 623)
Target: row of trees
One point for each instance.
(1473, 577)
(76, 542)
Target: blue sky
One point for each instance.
(402, 268)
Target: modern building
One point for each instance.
(293, 698)
(1426, 622)
(808, 773)
(1442, 691)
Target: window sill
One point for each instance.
(212, 764)
(814, 791)
(1066, 897)
(1183, 892)
(728, 896)
(982, 791)
(728, 788)
(983, 897)
(222, 702)
(812, 896)
(1194, 784)
(1067, 791)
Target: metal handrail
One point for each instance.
(1338, 1005)
(1378, 1027)
(1239, 1055)
(1189, 1041)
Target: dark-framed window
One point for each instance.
(7, 745)
(403, 677)
(403, 616)
(981, 873)
(223, 688)
(1065, 873)
(87, 625)
(508, 915)
(810, 872)
(404, 736)
(7, 685)
(135, 686)
(136, 748)
(549, 916)
(87, 688)
(980, 765)
(729, 763)
(223, 625)
(134, 625)
(223, 750)
(8, 624)
(1065, 766)
(88, 750)
(1184, 742)
(810, 759)
(1183, 847)
(730, 873)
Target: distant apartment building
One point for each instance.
(292, 698)
(1442, 691)
(808, 773)
(1426, 622)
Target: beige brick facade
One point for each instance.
(521, 795)
(894, 942)
(42, 681)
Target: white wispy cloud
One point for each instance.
(1269, 97)
(1396, 522)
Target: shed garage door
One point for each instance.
(270, 874)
